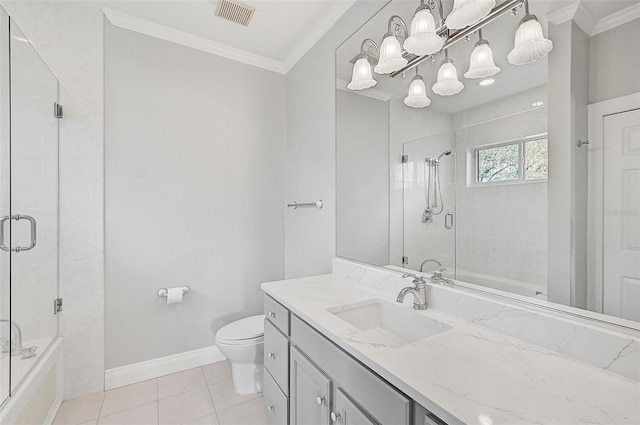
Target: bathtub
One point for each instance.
(469, 278)
(39, 394)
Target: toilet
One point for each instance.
(242, 342)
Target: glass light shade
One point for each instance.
(390, 56)
(468, 12)
(481, 64)
(361, 77)
(530, 44)
(417, 97)
(423, 39)
(448, 83)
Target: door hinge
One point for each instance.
(58, 110)
(405, 158)
(405, 260)
(57, 306)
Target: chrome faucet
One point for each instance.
(419, 292)
(427, 260)
(16, 349)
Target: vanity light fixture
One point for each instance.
(481, 64)
(538, 103)
(417, 96)
(468, 12)
(448, 83)
(486, 82)
(423, 38)
(466, 18)
(530, 44)
(362, 78)
(391, 51)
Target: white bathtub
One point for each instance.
(465, 277)
(36, 399)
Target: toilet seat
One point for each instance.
(246, 331)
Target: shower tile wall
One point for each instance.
(69, 38)
(501, 229)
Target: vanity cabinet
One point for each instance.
(310, 392)
(325, 385)
(275, 387)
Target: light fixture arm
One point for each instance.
(498, 11)
(432, 4)
(397, 28)
(370, 48)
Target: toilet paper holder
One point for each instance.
(162, 292)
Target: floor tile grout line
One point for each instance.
(158, 399)
(215, 411)
(240, 404)
(104, 395)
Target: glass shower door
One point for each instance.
(428, 204)
(5, 161)
(33, 215)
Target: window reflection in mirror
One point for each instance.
(482, 212)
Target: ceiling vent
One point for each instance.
(235, 11)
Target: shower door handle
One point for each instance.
(448, 221)
(18, 217)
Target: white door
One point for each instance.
(621, 218)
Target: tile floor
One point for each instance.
(200, 396)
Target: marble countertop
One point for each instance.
(468, 374)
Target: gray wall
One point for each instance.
(362, 179)
(194, 193)
(568, 88)
(614, 62)
(311, 130)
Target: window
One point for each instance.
(517, 160)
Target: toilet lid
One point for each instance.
(247, 328)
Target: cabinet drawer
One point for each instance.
(276, 355)
(276, 403)
(380, 400)
(277, 314)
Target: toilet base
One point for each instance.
(247, 377)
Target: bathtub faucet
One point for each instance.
(428, 260)
(17, 349)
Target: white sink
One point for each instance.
(387, 323)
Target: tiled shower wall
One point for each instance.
(502, 228)
(69, 38)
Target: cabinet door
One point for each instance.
(309, 392)
(346, 412)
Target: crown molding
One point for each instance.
(618, 18)
(315, 33)
(372, 93)
(173, 35)
(579, 14)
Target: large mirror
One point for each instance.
(495, 186)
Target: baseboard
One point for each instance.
(138, 372)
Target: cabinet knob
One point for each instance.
(272, 314)
(270, 408)
(335, 416)
(271, 355)
(320, 400)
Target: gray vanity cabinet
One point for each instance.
(346, 412)
(321, 384)
(275, 387)
(310, 392)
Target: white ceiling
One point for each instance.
(279, 34)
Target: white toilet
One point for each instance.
(242, 342)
